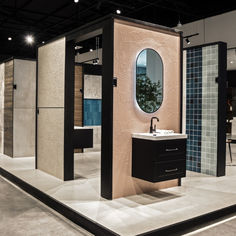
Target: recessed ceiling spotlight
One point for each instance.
(231, 62)
(90, 49)
(187, 41)
(118, 11)
(76, 1)
(9, 38)
(43, 42)
(29, 39)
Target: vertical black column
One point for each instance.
(221, 146)
(107, 109)
(181, 82)
(36, 112)
(69, 111)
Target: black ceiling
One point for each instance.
(46, 19)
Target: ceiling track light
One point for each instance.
(187, 41)
(189, 36)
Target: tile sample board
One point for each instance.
(50, 117)
(19, 107)
(92, 100)
(8, 109)
(24, 108)
(202, 108)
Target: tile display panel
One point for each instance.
(8, 109)
(92, 112)
(2, 76)
(202, 108)
(92, 100)
(194, 108)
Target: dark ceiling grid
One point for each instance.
(46, 19)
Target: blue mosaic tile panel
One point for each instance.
(92, 112)
(202, 109)
(194, 108)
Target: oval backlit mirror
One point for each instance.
(149, 80)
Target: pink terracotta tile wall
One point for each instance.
(129, 40)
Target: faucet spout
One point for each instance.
(151, 125)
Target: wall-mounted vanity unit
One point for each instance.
(18, 77)
(158, 157)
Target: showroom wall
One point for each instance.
(217, 28)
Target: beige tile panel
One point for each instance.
(50, 145)
(127, 117)
(25, 79)
(24, 132)
(51, 74)
(2, 75)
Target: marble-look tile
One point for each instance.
(25, 79)
(51, 74)
(23, 215)
(199, 194)
(92, 87)
(24, 132)
(50, 142)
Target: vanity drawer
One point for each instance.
(171, 146)
(169, 169)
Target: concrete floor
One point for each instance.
(23, 215)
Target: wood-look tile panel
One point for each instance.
(78, 112)
(78, 96)
(8, 109)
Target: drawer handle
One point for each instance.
(172, 149)
(171, 170)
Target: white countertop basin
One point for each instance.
(81, 127)
(159, 136)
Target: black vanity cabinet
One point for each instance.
(158, 160)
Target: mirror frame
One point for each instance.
(162, 65)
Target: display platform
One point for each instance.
(199, 199)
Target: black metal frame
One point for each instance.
(221, 134)
(69, 111)
(221, 80)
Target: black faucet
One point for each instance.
(151, 128)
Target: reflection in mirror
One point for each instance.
(149, 80)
